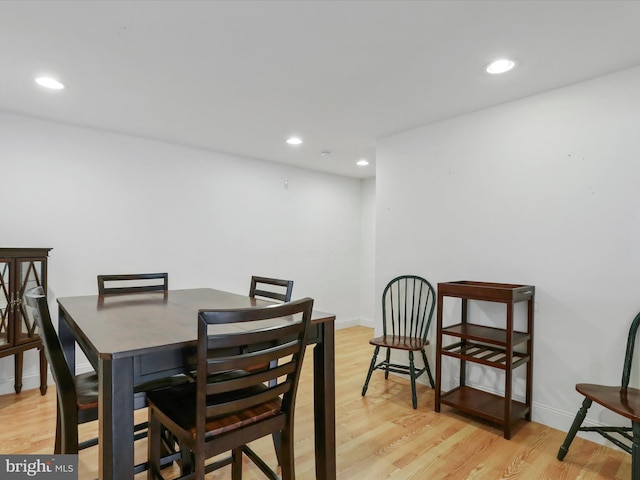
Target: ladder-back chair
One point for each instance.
(230, 406)
(132, 283)
(77, 394)
(271, 288)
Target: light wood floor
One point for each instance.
(378, 437)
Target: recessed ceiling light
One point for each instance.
(49, 82)
(362, 163)
(294, 141)
(500, 66)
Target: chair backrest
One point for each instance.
(628, 358)
(281, 292)
(65, 384)
(226, 348)
(133, 283)
(407, 307)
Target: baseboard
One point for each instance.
(354, 322)
(562, 420)
(365, 322)
(32, 381)
(540, 413)
(543, 414)
(550, 416)
(340, 323)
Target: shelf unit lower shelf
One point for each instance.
(484, 354)
(483, 404)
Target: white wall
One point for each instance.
(367, 266)
(110, 203)
(541, 191)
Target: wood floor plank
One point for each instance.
(379, 437)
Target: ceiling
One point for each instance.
(242, 76)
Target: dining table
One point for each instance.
(131, 339)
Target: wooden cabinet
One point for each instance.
(20, 270)
(501, 348)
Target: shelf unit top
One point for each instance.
(24, 252)
(488, 291)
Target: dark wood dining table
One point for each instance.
(135, 338)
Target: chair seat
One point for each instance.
(87, 390)
(402, 343)
(624, 402)
(177, 404)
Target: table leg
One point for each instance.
(324, 396)
(115, 417)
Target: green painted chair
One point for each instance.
(621, 399)
(408, 302)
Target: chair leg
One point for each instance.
(412, 374)
(575, 426)
(371, 367)
(426, 365)
(68, 432)
(154, 445)
(635, 452)
(43, 372)
(236, 464)
(288, 465)
(186, 460)
(386, 365)
(277, 445)
(199, 459)
(57, 448)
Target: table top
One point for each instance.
(122, 325)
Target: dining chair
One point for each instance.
(132, 283)
(272, 288)
(281, 291)
(228, 406)
(621, 399)
(77, 394)
(259, 287)
(407, 308)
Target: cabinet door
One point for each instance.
(6, 303)
(31, 273)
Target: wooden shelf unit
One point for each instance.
(20, 270)
(489, 346)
